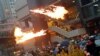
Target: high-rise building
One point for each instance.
(13, 9)
(4, 9)
(1, 11)
(10, 12)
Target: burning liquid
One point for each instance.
(24, 36)
(56, 12)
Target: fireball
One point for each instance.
(24, 36)
(55, 12)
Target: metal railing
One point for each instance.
(91, 10)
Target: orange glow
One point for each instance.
(56, 12)
(24, 36)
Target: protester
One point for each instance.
(91, 47)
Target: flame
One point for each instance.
(57, 12)
(24, 36)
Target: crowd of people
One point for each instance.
(86, 46)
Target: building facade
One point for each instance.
(11, 11)
(90, 14)
(4, 9)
